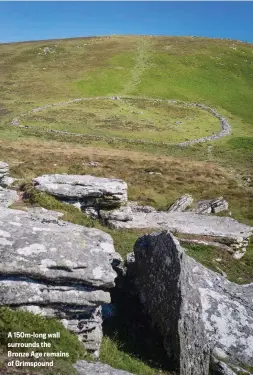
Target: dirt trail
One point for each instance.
(141, 64)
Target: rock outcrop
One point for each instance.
(181, 203)
(97, 368)
(4, 169)
(87, 191)
(211, 206)
(5, 179)
(7, 197)
(224, 230)
(106, 199)
(168, 291)
(192, 306)
(57, 269)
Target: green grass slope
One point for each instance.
(215, 72)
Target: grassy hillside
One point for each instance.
(218, 73)
(214, 72)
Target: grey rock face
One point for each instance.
(136, 208)
(220, 368)
(192, 305)
(58, 269)
(25, 292)
(88, 190)
(7, 197)
(97, 368)
(181, 204)
(167, 290)
(4, 169)
(54, 251)
(7, 181)
(211, 206)
(221, 229)
(122, 214)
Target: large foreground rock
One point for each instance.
(97, 368)
(55, 268)
(87, 190)
(220, 229)
(167, 288)
(193, 306)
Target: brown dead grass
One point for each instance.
(178, 175)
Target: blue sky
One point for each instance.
(22, 21)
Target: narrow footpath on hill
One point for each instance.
(141, 64)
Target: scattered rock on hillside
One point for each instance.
(4, 169)
(88, 190)
(122, 214)
(97, 368)
(58, 269)
(7, 197)
(5, 179)
(192, 305)
(181, 204)
(224, 230)
(136, 208)
(211, 206)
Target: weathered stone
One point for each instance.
(44, 215)
(19, 292)
(84, 321)
(57, 269)
(97, 368)
(7, 181)
(182, 295)
(167, 290)
(219, 368)
(4, 169)
(56, 251)
(211, 206)
(181, 204)
(91, 212)
(89, 190)
(122, 214)
(222, 229)
(89, 330)
(7, 197)
(136, 208)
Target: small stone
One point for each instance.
(93, 164)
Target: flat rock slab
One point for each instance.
(19, 292)
(188, 223)
(82, 187)
(57, 251)
(97, 368)
(7, 197)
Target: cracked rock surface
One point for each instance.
(87, 190)
(58, 269)
(192, 306)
